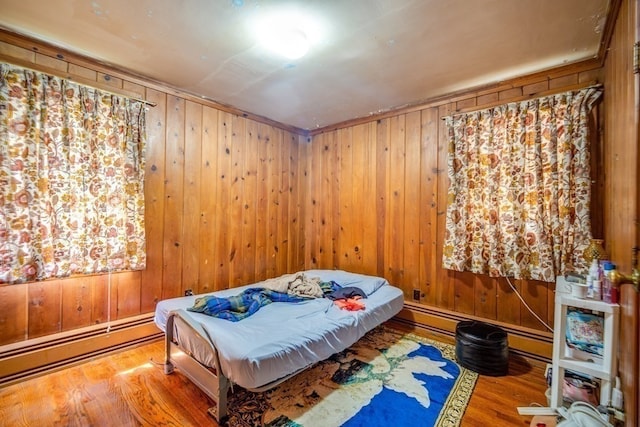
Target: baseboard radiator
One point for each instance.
(38, 356)
(527, 342)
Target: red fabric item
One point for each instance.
(351, 304)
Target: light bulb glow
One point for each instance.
(286, 33)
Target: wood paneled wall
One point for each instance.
(622, 212)
(222, 200)
(222, 207)
(378, 201)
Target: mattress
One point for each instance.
(283, 338)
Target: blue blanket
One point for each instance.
(239, 306)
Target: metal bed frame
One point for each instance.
(211, 381)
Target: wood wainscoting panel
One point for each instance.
(463, 284)
(381, 176)
(285, 181)
(100, 300)
(300, 152)
(356, 246)
(45, 308)
(127, 285)
(223, 165)
(394, 226)
(485, 290)
(535, 294)
(428, 203)
(444, 289)
(151, 281)
(275, 231)
(370, 223)
(347, 214)
(237, 151)
(248, 202)
(274, 172)
(412, 214)
(263, 139)
(172, 252)
(14, 316)
(192, 211)
(77, 297)
(507, 302)
(208, 207)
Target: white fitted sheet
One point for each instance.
(283, 338)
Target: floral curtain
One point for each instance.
(520, 188)
(71, 178)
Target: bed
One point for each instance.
(275, 343)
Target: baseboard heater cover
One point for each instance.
(27, 359)
(527, 342)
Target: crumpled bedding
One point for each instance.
(296, 284)
(287, 288)
(238, 307)
(346, 293)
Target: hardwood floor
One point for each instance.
(130, 389)
(495, 399)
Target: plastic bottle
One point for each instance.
(591, 276)
(606, 281)
(597, 289)
(613, 289)
(589, 286)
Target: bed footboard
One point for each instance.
(213, 384)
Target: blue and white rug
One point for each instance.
(385, 379)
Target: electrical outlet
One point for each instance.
(188, 293)
(416, 294)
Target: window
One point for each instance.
(71, 178)
(520, 187)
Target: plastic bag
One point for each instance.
(581, 414)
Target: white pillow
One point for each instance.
(368, 284)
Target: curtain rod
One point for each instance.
(586, 85)
(77, 79)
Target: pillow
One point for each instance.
(368, 284)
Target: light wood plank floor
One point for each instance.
(129, 388)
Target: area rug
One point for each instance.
(385, 379)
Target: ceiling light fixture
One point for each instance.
(289, 42)
(287, 33)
